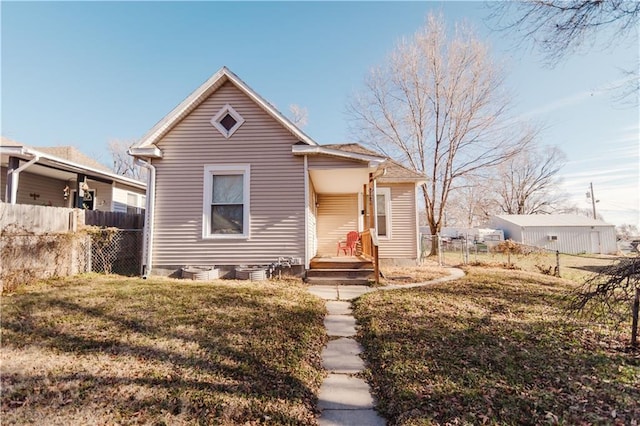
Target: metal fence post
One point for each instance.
(557, 271)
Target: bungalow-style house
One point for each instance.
(566, 233)
(64, 177)
(233, 182)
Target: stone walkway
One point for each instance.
(345, 399)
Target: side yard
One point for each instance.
(113, 350)
(494, 347)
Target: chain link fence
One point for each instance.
(508, 254)
(116, 251)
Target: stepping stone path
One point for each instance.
(345, 400)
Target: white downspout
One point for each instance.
(306, 213)
(418, 235)
(14, 175)
(147, 240)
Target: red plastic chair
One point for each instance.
(350, 244)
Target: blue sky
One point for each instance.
(86, 73)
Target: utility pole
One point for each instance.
(593, 200)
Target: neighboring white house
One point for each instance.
(562, 232)
(53, 176)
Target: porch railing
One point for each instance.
(365, 241)
(369, 242)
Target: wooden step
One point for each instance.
(337, 281)
(341, 273)
(347, 264)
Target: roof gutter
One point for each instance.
(13, 176)
(147, 240)
(373, 161)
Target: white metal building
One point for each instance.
(565, 233)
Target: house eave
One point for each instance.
(417, 181)
(146, 152)
(372, 161)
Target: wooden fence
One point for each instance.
(114, 219)
(38, 219)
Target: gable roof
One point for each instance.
(542, 220)
(396, 172)
(199, 95)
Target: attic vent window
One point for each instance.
(227, 121)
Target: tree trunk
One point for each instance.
(634, 322)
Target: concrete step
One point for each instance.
(341, 273)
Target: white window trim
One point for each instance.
(227, 109)
(386, 192)
(227, 169)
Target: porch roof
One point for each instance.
(56, 166)
(395, 172)
(340, 180)
(373, 160)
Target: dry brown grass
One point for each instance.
(109, 350)
(576, 268)
(495, 347)
(414, 274)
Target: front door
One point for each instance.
(88, 202)
(595, 242)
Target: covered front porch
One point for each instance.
(341, 189)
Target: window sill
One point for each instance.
(225, 237)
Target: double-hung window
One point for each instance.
(226, 201)
(383, 211)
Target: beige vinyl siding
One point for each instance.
(50, 190)
(120, 200)
(337, 215)
(102, 191)
(104, 195)
(276, 188)
(402, 244)
(328, 162)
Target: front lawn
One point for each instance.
(495, 347)
(110, 350)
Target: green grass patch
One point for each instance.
(110, 350)
(496, 347)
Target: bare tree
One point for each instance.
(562, 27)
(123, 163)
(626, 231)
(299, 115)
(438, 106)
(580, 211)
(527, 182)
(472, 202)
(611, 292)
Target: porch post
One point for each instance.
(11, 189)
(79, 191)
(373, 221)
